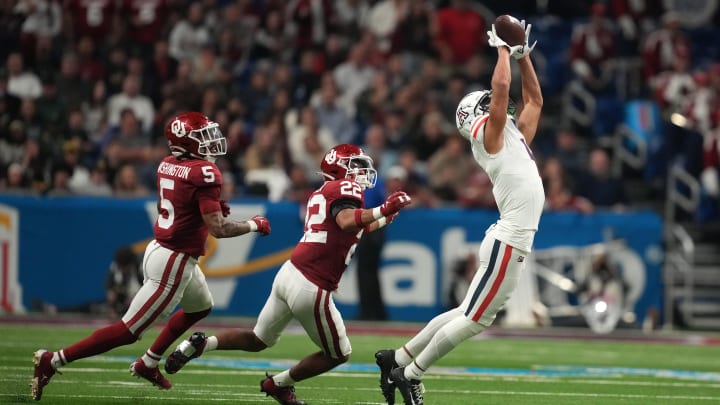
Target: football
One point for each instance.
(508, 28)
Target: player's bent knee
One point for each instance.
(257, 345)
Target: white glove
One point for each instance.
(495, 41)
(524, 49)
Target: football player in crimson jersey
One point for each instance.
(335, 221)
(189, 207)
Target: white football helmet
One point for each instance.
(476, 104)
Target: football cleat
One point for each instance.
(385, 359)
(284, 395)
(187, 350)
(42, 359)
(139, 369)
(411, 390)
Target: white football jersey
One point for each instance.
(517, 185)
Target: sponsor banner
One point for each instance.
(66, 246)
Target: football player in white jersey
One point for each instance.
(500, 145)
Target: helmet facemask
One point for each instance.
(483, 105)
(361, 168)
(211, 141)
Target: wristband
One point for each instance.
(377, 214)
(382, 222)
(358, 218)
(252, 225)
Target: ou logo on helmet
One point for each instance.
(331, 156)
(178, 128)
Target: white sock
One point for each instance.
(283, 379)
(151, 359)
(58, 359)
(445, 339)
(211, 344)
(421, 339)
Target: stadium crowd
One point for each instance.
(87, 87)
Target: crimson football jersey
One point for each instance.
(324, 249)
(186, 190)
(92, 18)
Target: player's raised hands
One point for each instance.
(496, 42)
(260, 225)
(394, 203)
(525, 49)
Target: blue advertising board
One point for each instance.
(65, 246)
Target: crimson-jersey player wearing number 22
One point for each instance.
(334, 223)
(189, 207)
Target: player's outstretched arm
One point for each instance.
(352, 220)
(500, 84)
(221, 227)
(532, 100)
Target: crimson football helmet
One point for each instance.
(194, 134)
(349, 162)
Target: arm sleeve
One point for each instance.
(339, 205)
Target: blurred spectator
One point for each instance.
(264, 165)
(558, 198)
(593, 51)
(116, 70)
(189, 35)
(570, 151)
(462, 274)
(71, 157)
(311, 21)
(375, 146)
(433, 135)
(660, 48)
(97, 185)
(449, 168)
(12, 147)
(95, 111)
(476, 192)
(123, 280)
(375, 100)
(635, 19)
(90, 18)
(21, 83)
(145, 21)
(301, 186)
(352, 16)
(455, 24)
(182, 93)
(60, 181)
(50, 108)
(672, 87)
(413, 33)
(91, 67)
(127, 184)
(308, 142)
(415, 178)
(42, 19)
(354, 75)
(126, 143)
(72, 89)
(332, 115)
(34, 125)
(383, 20)
(307, 79)
(131, 98)
(256, 96)
(598, 185)
(15, 181)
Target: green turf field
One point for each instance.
(507, 370)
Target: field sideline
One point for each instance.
(501, 366)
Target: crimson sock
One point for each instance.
(100, 341)
(178, 324)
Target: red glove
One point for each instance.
(225, 208)
(394, 203)
(262, 225)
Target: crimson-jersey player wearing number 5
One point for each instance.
(189, 207)
(334, 222)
